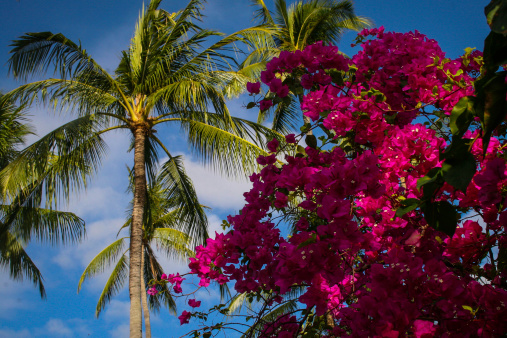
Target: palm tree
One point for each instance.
(160, 228)
(22, 217)
(297, 26)
(165, 76)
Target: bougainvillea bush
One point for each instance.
(396, 215)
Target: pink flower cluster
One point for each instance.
(375, 274)
(312, 58)
(176, 280)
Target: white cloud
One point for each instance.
(8, 333)
(99, 202)
(54, 327)
(57, 327)
(210, 295)
(99, 235)
(214, 190)
(214, 225)
(117, 311)
(13, 295)
(120, 331)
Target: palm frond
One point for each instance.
(82, 98)
(102, 261)
(56, 165)
(45, 225)
(262, 14)
(174, 243)
(231, 153)
(270, 317)
(34, 53)
(180, 190)
(14, 258)
(191, 94)
(237, 302)
(114, 284)
(287, 117)
(306, 22)
(13, 129)
(191, 12)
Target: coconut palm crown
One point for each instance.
(165, 76)
(298, 25)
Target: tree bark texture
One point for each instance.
(144, 298)
(136, 233)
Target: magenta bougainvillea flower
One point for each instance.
(351, 257)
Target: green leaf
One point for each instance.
(305, 128)
(300, 150)
(311, 141)
(457, 149)
(461, 115)
(277, 99)
(287, 100)
(430, 177)
(336, 76)
(250, 105)
(309, 241)
(459, 173)
(324, 113)
(410, 204)
(409, 201)
(491, 92)
(469, 308)
(495, 52)
(441, 216)
(459, 166)
(496, 15)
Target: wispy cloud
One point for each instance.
(117, 311)
(120, 331)
(13, 295)
(9, 333)
(214, 190)
(54, 327)
(99, 235)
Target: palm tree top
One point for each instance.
(308, 21)
(170, 73)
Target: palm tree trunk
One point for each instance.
(136, 233)
(144, 300)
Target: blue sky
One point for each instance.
(104, 28)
